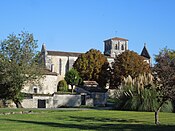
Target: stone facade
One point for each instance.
(46, 85)
(52, 101)
(115, 46)
(60, 62)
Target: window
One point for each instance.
(122, 47)
(60, 66)
(116, 46)
(52, 67)
(35, 90)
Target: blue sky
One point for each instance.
(79, 25)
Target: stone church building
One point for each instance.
(60, 62)
(57, 63)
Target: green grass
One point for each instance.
(53, 120)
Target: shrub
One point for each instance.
(62, 86)
(140, 95)
(2, 104)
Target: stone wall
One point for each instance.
(60, 68)
(46, 85)
(66, 100)
(99, 99)
(55, 101)
(29, 103)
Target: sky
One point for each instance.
(79, 25)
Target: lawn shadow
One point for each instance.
(102, 119)
(98, 127)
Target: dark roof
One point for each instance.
(145, 53)
(118, 38)
(61, 53)
(90, 83)
(94, 89)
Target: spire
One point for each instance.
(144, 52)
(43, 49)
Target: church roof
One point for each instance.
(61, 53)
(145, 53)
(118, 38)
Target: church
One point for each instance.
(60, 62)
(57, 63)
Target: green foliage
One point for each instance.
(18, 65)
(2, 104)
(128, 63)
(90, 66)
(72, 77)
(164, 73)
(167, 107)
(62, 86)
(104, 75)
(131, 99)
(140, 94)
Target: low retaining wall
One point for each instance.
(66, 100)
(54, 101)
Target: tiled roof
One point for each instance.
(61, 53)
(145, 53)
(118, 38)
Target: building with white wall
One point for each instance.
(57, 63)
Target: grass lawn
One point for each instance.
(50, 120)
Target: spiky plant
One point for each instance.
(140, 94)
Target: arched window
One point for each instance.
(116, 46)
(122, 47)
(35, 90)
(60, 66)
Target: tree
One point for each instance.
(104, 75)
(62, 86)
(18, 65)
(72, 78)
(128, 63)
(90, 64)
(164, 71)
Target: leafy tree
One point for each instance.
(90, 64)
(164, 71)
(18, 65)
(128, 63)
(104, 75)
(72, 78)
(62, 85)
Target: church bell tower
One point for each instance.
(115, 46)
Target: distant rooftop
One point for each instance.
(61, 53)
(118, 38)
(145, 53)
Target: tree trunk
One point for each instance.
(157, 114)
(18, 104)
(157, 117)
(72, 89)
